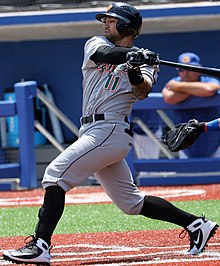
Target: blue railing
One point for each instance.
(25, 169)
(187, 171)
(175, 171)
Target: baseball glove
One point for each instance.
(183, 135)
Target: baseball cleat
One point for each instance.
(35, 252)
(200, 231)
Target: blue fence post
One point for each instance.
(25, 91)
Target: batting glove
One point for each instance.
(141, 57)
(151, 58)
(135, 59)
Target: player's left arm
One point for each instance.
(142, 89)
(213, 125)
(142, 80)
(143, 68)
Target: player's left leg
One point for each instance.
(118, 183)
(200, 229)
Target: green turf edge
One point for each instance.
(96, 218)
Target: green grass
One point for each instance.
(96, 218)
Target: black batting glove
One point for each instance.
(151, 58)
(135, 59)
(141, 57)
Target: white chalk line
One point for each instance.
(154, 262)
(117, 246)
(207, 256)
(125, 248)
(147, 257)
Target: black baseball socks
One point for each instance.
(160, 209)
(50, 213)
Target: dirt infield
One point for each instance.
(125, 248)
(95, 194)
(161, 247)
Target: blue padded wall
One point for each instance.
(58, 63)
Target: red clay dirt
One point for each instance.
(95, 194)
(161, 247)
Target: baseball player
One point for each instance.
(115, 75)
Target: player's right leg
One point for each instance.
(36, 251)
(62, 174)
(95, 150)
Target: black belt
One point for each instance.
(97, 117)
(129, 130)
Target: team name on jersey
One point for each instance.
(110, 68)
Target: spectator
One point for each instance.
(191, 84)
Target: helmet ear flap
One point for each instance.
(124, 28)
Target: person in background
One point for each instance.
(191, 84)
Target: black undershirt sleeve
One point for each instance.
(110, 55)
(116, 56)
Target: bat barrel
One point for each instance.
(215, 72)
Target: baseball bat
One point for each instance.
(215, 72)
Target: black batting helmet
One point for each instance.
(129, 18)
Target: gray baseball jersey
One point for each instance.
(106, 87)
(103, 144)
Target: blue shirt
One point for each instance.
(206, 144)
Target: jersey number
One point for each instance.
(112, 83)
